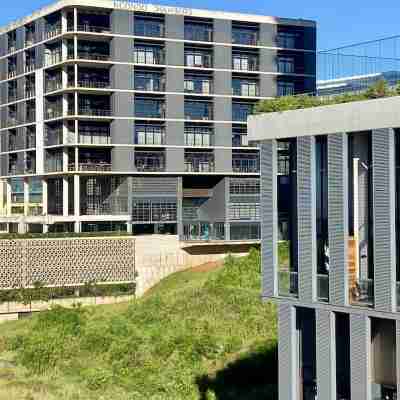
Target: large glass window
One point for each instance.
(242, 61)
(321, 160)
(146, 54)
(149, 26)
(198, 84)
(198, 58)
(198, 136)
(198, 31)
(287, 218)
(241, 111)
(149, 108)
(198, 110)
(285, 88)
(245, 35)
(149, 81)
(154, 211)
(245, 87)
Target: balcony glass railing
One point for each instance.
(93, 28)
(92, 166)
(288, 284)
(149, 83)
(149, 28)
(53, 137)
(245, 88)
(323, 287)
(195, 162)
(246, 164)
(203, 231)
(245, 37)
(95, 112)
(198, 60)
(149, 109)
(93, 83)
(52, 30)
(198, 33)
(362, 292)
(55, 112)
(94, 137)
(52, 85)
(242, 62)
(149, 162)
(95, 56)
(198, 85)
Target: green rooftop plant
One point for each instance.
(378, 90)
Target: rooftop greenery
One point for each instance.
(379, 90)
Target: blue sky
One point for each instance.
(340, 22)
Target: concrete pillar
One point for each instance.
(65, 159)
(77, 196)
(77, 227)
(22, 228)
(64, 25)
(44, 197)
(129, 227)
(288, 352)
(45, 228)
(8, 197)
(326, 354)
(65, 197)
(75, 19)
(3, 203)
(75, 47)
(26, 197)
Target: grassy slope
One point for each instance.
(198, 335)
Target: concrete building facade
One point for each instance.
(117, 115)
(336, 275)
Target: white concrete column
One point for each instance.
(64, 21)
(26, 197)
(76, 102)
(129, 227)
(77, 196)
(64, 50)
(76, 159)
(65, 159)
(75, 47)
(77, 227)
(65, 197)
(3, 201)
(76, 75)
(22, 228)
(44, 197)
(8, 198)
(45, 228)
(75, 19)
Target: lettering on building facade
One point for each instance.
(135, 6)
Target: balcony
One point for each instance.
(199, 162)
(30, 67)
(286, 40)
(149, 82)
(198, 32)
(149, 108)
(29, 38)
(52, 58)
(52, 30)
(150, 135)
(245, 62)
(247, 37)
(198, 84)
(203, 231)
(323, 287)
(288, 284)
(94, 134)
(245, 88)
(53, 136)
(248, 163)
(30, 92)
(52, 85)
(95, 112)
(92, 166)
(12, 72)
(286, 65)
(94, 56)
(362, 292)
(94, 83)
(12, 96)
(150, 55)
(198, 136)
(150, 161)
(198, 59)
(240, 140)
(241, 111)
(54, 112)
(149, 27)
(93, 28)
(199, 110)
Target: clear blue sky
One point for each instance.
(340, 22)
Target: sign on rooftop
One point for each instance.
(135, 6)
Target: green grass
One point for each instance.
(198, 335)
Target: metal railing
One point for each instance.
(52, 85)
(52, 30)
(53, 113)
(94, 84)
(246, 165)
(29, 40)
(199, 165)
(30, 92)
(86, 55)
(12, 73)
(29, 67)
(288, 284)
(362, 292)
(149, 163)
(149, 28)
(94, 138)
(245, 38)
(323, 287)
(203, 231)
(93, 28)
(95, 112)
(91, 166)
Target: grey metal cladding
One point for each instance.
(122, 159)
(174, 26)
(175, 106)
(122, 22)
(222, 31)
(122, 77)
(222, 57)
(122, 104)
(384, 198)
(223, 136)
(268, 60)
(269, 220)
(122, 131)
(360, 344)
(325, 354)
(3, 44)
(268, 86)
(175, 80)
(39, 55)
(306, 203)
(175, 132)
(155, 186)
(223, 160)
(20, 37)
(20, 63)
(338, 218)
(175, 159)
(287, 352)
(222, 109)
(222, 82)
(268, 34)
(122, 49)
(175, 53)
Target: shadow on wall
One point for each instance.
(220, 249)
(254, 377)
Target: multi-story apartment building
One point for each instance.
(336, 274)
(133, 116)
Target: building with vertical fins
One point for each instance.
(330, 254)
(118, 115)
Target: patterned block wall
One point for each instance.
(66, 262)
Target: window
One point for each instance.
(198, 84)
(198, 136)
(149, 81)
(200, 110)
(239, 136)
(244, 87)
(244, 62)
(286, 88)
(244, 186)
(242, 211)
(286, 65)
(149, 108)
(148, 55)
(154, 211)
(245, 35)
(196, 31)
(241, 111)
(148, 26)
(141, 211)
(287, 40)
(150, 134)
(198, 58)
